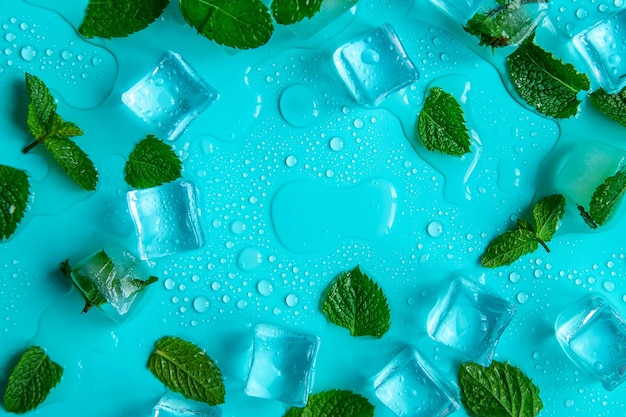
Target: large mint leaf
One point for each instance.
(287, 12)
(14, 191)
(42, 108)
(74, 161)
(334, 403)
(606, 197)
(611, 105)
(152, 163)
(509, 247)
(547, 214)
(119, 18)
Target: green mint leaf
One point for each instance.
(500, 390)
(31, 380)
(287, 12)
(14, 191)
(41, 111)
(184, 367)
(509, 247)
(152, 163)
(74, 161)
(547, 214)
(487, 29)
(334, 403)
(525, 225)
(586, 217)
(611, 105)
(606, 197)
(238, 24)
(83, 284)
(68, 129)
(354, 301)
(544, 82)
(441, 124)
(119, 18)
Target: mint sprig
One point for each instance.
(119, 18)
(604, 200)
(499, 390)
(152, 163)
(184, 367)
(334, 403)
(441, 124)
(287, 12)
(544, 82)
(14, 192)
(54, 133)
(526, 238)
(611, 105)
(354, 301)
(31, 380)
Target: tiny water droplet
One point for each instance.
(336, 144)
(264, 287)
(291, 161)
(169, 284)
(434, 229)
(291, 300)
(9, 37)
(522, 297)
(370, 57)
(249, 259)
(28, 53)
(238, 227)
(200, 304)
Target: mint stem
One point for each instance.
(30, 146)
(542, 243)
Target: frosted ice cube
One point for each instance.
(585, 168)
(374, 65)
(175, 405)
(170, 96)
(470, 320)
(411, 387)
(593, 335)
(603, 46)
(460, 10)
(282, 364)
(167, 220)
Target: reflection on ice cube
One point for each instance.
(411, 387)
(175, 405)
(470, 320)
(603, 46)
(166, 219)
(593, 335)
(460, 10)
(170, 96)
(375, 65)
(282, 364)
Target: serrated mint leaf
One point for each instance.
(287, 12)
(152, 163)
(611, 105)
(354, 301)
(74, 161)
(238, 24)
(607, 197)
(586, 217)
(509, 247)
(499, 390)
(500, 26)
(544, 82)
(184, 367)
(14, 191)
(441, 125)
(31, 380)
(84, 285)
(119, 18)
(41, 108)
(525, 225)
(547, 214)
(334, 403)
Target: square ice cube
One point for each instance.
(374, 65)
(282, 364)
(411, 387)
(585, 168)
(470, 320)
(170, 96)
(167, 220)
(593, 335)
(603, 47)
(330, 11)
(460, 10)
(175, 405)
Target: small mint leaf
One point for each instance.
(83, 283)
(354, 301)
(14, 191)
(525, 225)
(509, 247)
(606, 197)
(611, 105)
(119, 18)
(287, 12)
(41, 111)
(547, 214)
(31, 380)
(334, 403)
(152, 163)
(586, 217)
(74, 161)
(184, 367)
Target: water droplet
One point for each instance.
(9, 37)
(238, 227)
(522, 297)
(195, 278)
(65, 54)
(336, 144)
(299, 106)
(291, 161)
(434, 229)
(514, 277)
(215, 286)
(249, 259)
(291, 300)
(609, 286)
(581, 13)
(200, 304)
(569, 403)
(241, 304)
(370, 57)
(358, 123)
(28, 53)
(264, 287)
(169, 284)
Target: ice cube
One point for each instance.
(593, 335)
(470, 319)
(603, 47)
(167, 220)
(282, 364)
(375, 65)
(330, 11)
(460, 10)
(170, 96)
(175, 405)
(411, 387)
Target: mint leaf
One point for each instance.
(544, 82)
(334, 403)
(509, 247)
(606, 197)
(42, 108)
(287, 12)
(83, 283)
(14, 191)
(586, 217)
(31, 380)
(119, 18)
(238, 24)
(547, 214)
(152, 163)
(500, 390)
(184, 367)
(441, 125)
(501, 26)
(354, 301)
(611, 105)
(74, 161)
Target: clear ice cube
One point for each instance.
(411, 387)
(470, 320)
(175, 405)
(593, 335)
(330, 11)
(167, 220)
(170, 96)
(603, 47)
(374, 65)
(460, 10)
(282, 364)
